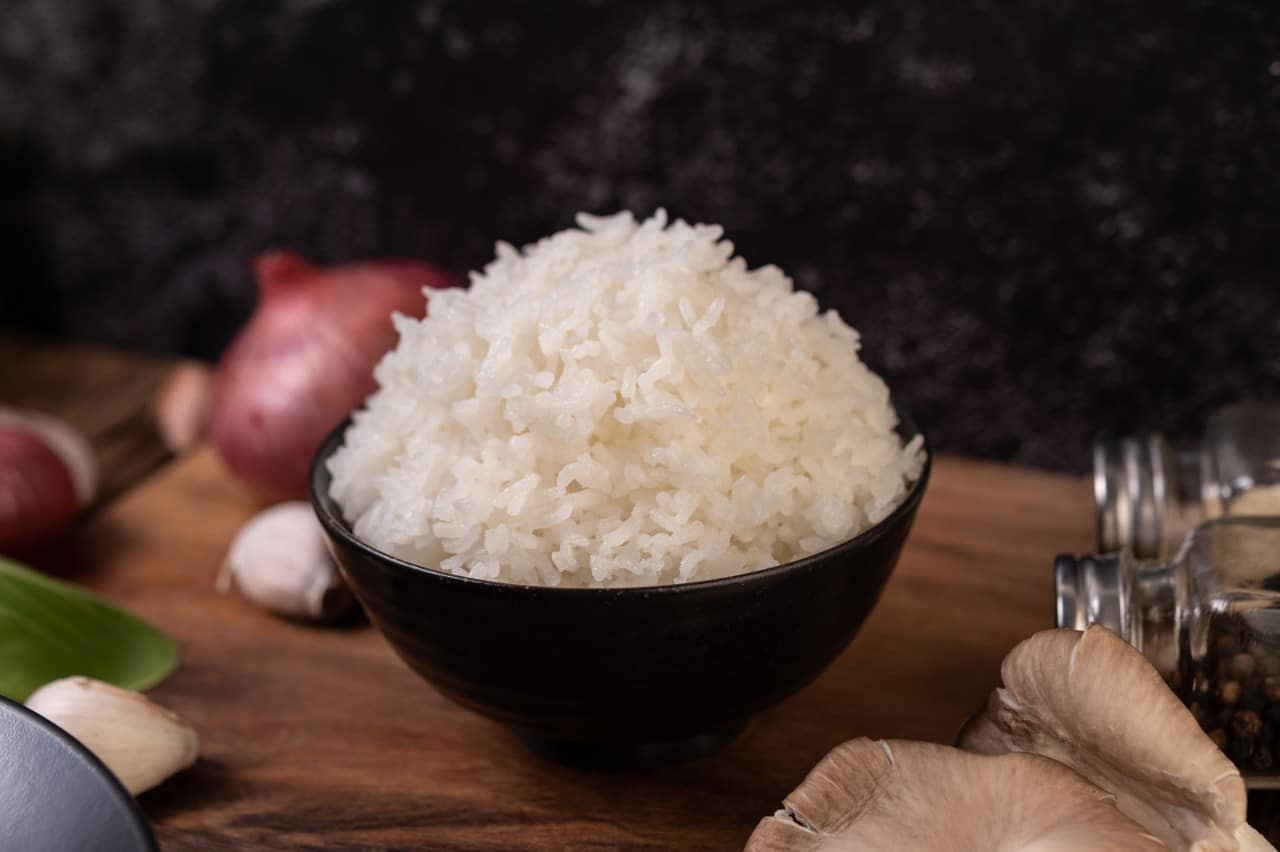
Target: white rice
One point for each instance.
(621, 405)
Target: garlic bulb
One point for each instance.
(279, 561)
(140, 741)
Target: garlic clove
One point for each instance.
(183, 406)
(140, 741)
(279, 561)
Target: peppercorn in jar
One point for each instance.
(1208, 619)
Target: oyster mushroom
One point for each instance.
(895, 795)
(1092, 702)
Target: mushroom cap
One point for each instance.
(896, 795)
(1091, 701)
(1251, 841)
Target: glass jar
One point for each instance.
(1149, 493)
(1208, 619)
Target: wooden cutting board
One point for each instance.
(104, 393)
(320, 738)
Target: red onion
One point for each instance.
(47, 474)
(306, 359)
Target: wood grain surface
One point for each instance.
(320, 738)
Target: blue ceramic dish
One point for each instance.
(55, 796)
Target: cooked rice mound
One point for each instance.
(626, 404)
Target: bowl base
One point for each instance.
(631, 755)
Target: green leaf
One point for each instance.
(50, 629)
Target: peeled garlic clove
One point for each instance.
(279, 562)
(183, 406)
(140, 741)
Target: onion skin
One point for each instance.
(37, 491)
(305, 361)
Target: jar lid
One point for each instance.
(1090, 591)
(1133, 491)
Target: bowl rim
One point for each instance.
(331, 519)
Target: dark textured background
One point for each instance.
(1047, 218)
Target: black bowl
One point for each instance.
(621, 676)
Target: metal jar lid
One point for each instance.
(1134, 480)
(1090, 590)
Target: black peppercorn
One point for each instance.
(1233, 692)
(1245, 724)
(1241, 665)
